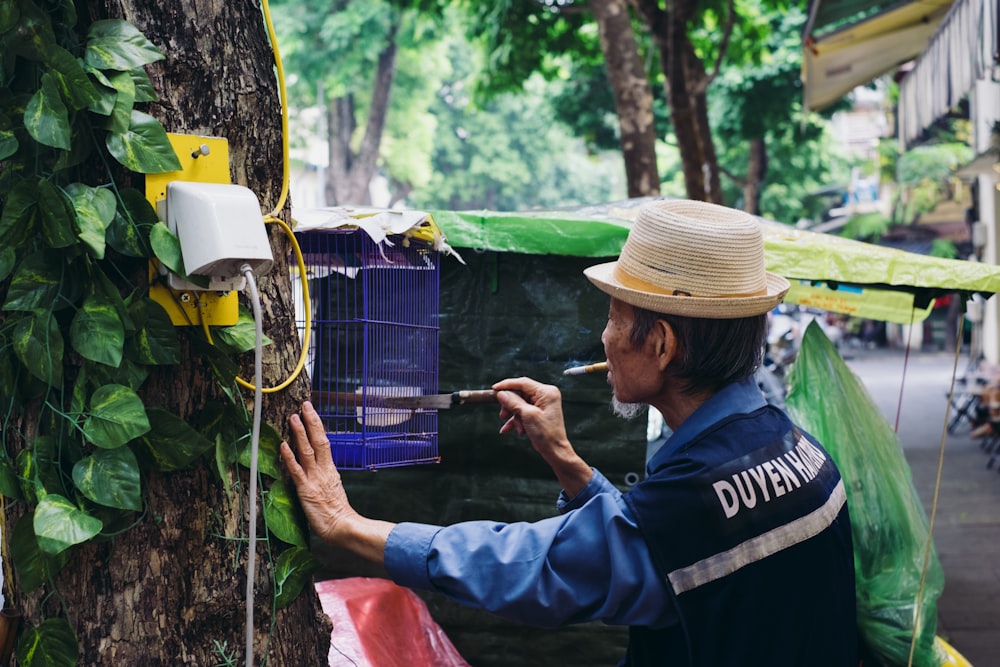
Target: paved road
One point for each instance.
(967, 522)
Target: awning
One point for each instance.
(827, 272)
(961, 52)
(849, 43)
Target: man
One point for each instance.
(734, 550)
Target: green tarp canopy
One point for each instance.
(827, 272)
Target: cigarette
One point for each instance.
(600, 367)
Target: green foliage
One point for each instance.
(866, 226)
(77, 338)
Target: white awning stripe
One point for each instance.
(725, 563)
(960, 53)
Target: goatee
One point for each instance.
(626, 410)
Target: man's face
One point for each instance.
(633, 370)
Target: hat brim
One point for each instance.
(603, 276)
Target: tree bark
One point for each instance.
(169, 590)
(756, 173)
(633, 97)
(685, 85)
(351, 171)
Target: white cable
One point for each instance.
(254, 446)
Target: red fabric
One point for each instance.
(379, 624)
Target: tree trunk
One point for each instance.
(633, 98)
(351, 171)
(686, 96)
(169, 589)
(756, 173)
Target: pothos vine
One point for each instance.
(77, 339)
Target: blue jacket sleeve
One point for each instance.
(589, 563)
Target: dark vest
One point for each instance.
(748, 524)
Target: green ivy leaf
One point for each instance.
(95, 209)
(34, 567)
(121, 115)
(8, 144)
(144, 147)
(240, 337)
(20, 212)
(59, 524)
(118, 45)
(96, 332)
(128, 233)
(167, 247)
(10, 487)
(7, 261)
(72, 79)
(117, 415)
(35, 284)
(292, 571)
(46, 117)
(110, 477)
(38, 343)
(56, 215)
(51, 643)
(268, 458)
(144, 91)
(282, 516)
(171, 444)
(155, 343)
(33, 37)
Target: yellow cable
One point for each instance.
(273, 216)
(301, 262)
(284, 110)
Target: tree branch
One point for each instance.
(727, 34)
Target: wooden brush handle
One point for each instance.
(474, 396)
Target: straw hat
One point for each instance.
(693, 259)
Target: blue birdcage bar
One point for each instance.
(375, 323)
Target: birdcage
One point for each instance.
(374, 335)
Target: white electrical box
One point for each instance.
(220, 228)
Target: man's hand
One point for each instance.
(535, 409)
(322, 493)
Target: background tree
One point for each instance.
(370, 67)
(138, 557)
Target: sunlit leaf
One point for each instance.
(240, 337)
(96, 332)
(117, 415)
(292, 571)
(118, 45)
(110, 477)
(59, 524)
(167, 247)
(121, 115)
(39, 346)
(283, 516)
(46, 117)
(51, 643)
(57, 216)
(95, 209)
(144, 147)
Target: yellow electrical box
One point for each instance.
(203, 160)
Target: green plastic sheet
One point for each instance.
(828, 272)
(889, 526)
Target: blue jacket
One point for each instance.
(747, 521)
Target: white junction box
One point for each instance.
(220, 228)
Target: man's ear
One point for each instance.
(665, 343)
